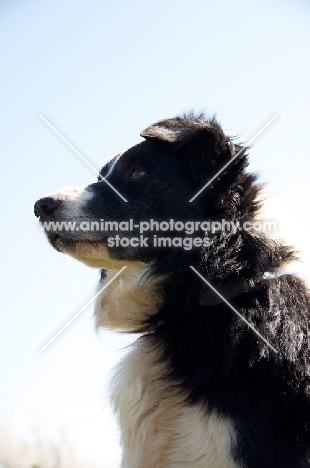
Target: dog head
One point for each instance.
(157, 178)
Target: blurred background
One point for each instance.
(101, 71)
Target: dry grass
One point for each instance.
(37, 453)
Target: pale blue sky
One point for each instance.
(100, 72)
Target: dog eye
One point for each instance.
(136, 172)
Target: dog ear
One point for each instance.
(202, 145)
(204, 139)
(175, 130)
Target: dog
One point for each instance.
(202, 386)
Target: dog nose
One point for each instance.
(46, 206)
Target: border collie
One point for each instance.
(200, 387)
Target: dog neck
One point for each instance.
(128, 300)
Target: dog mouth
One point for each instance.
(67, 244)
(93, 253)
(96, 253)
(79, 248)
(60, 242)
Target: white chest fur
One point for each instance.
(160, 430)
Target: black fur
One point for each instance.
(214, 354)
(211, 351)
